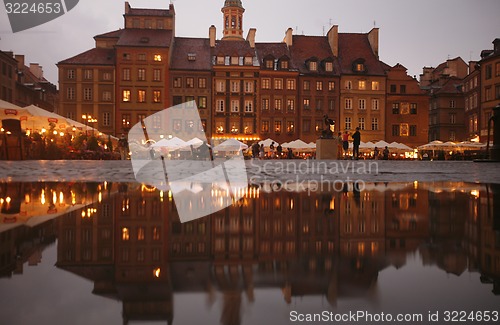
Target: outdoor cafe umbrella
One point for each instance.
(231, 145)
(170, 144)
(297, 144)
(267, 142)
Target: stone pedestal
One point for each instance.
(326, 149)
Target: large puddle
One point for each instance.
(111, 253)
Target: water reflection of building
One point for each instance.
(331, 244)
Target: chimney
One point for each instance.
(251, 37)
(373, 39)
(127, 7)
(211, 35)
(20, 61)
(36, 70)
(333, 39)
(288, 37)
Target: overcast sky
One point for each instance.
(413, 33)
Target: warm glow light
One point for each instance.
(43, 130)
(27, 198)
(54, 132)
(156, 272)
(61, 197)
(73, 198)
(7, 199)
(99, 197)
(42, 198)
(474, 193)
(54, 197)
(83, 214)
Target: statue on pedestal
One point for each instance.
(329, 130)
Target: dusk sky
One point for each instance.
(413, 33)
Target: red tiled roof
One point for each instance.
(354, 46)
(96, 56)
(145, 37)
(307, 47)
(113, 34)
(277, 50)
(197, 46)
(233, 48)
(451, 86)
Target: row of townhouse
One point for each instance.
(242, 89)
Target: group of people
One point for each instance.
(275, 151)
(343, 146)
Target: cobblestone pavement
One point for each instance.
(266, 170)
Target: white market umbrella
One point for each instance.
(267, 142)
(433, 145)
(195, 142)
(297, 144)
(231, 145)
(170, 144)
(381, 144)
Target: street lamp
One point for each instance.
(85, 118)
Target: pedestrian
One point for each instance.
(385, 153)
(289, 154)
(375, 153)
(255, 150)
(356, 137)
(279, 150)
(122, 147)
(261, 151)
(339, 145)
(345, 142)
(272, 149)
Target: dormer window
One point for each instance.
(284, 65)
(191, 56)
(220, 60)
(360, 67)
(248, 60)
(234, 60)
(269, 64)
(313, 66)
(329, 66)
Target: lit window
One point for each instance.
(331, 85)
(141, 96)
(284, 65)
(361, 85)
(319, 85)
(157, 57)
(235, 107)
(248, 106)
(375, 85)
(313, 65)
(156, 96)
(141, 74)
(125, 233)
(278, 83)
(126, 95)
(269, 64)
(329, 66)
(71, 74)
(290, 84)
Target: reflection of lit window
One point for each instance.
(140, 233)
(125, 233)
(156, 233)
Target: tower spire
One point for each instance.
(233, 20)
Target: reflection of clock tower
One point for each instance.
(233, 20)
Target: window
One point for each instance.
(405, 108)
(497, 92)
(71, 74)
(290, 127)
(361, 85)
(348, 103)
(306, 85)
(235, 106)
(220, 60)
(265, 103)
(202, 102)
(395, 108)
(157, 75)
(266, 83)
(393, 88)
(126, 119)
(269, 64)
(497, 69)
(126, 74)
(375, 104)
(141, 74)
(413, 108)
(348, 84)
(278, 104)
(329, 66)
(374, 123)
(453, 118)
(157, 57)
(361, 123)
(265, 126)
(331, 85)
(87, 94)
(413, 130)
(359, 67)
(219, 107)
(156, 96)
(487, 94)
(235, 60)
(375, 85)
(126, 95)
(106, 96)
(306, 103)
(278, 83)
(277, 127)
(189, 82)
(283, 65)
(220, 86)
(395, 130)
(319, 85)
(348, 123)
(306, 126)
(290, 84)
(127, 56)
(141, 96)
(106, 119)
(248, 86)
(331, 104)
(202, 83)
(452, 104)
(248, 60)
(290, 104)
(319, 104)
(141, 57)
(125, 234)
(87, 74)
(70, 93)
(404, 130)
(488, 72)
(362, 104)
(248, 106)
(313, 65)
(402, 89)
